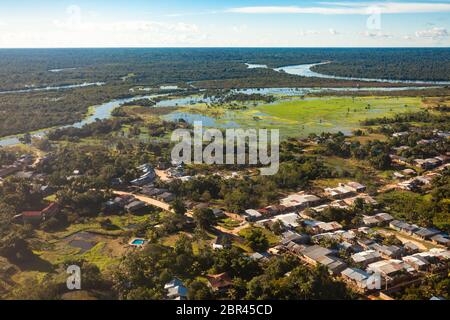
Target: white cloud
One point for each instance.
(75, 30)
(361, 8)
(308, 33)
(434, 33)
(376, 34)
(240, 28)
(333, 31)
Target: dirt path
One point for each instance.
(156, 203)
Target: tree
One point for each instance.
(178, 207)
(257, 240)
(204, 218)
(198, 290)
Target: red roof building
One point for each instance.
(219, 282)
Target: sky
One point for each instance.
(230, 23)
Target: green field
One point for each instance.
(336, 114)
(300, 117)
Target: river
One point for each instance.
(104, 110)
(304, 70)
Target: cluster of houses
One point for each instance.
(148, 175)
(366, 254)
(343, 196)
(430, 234)
(157, 193)
(20, 164)
(392, 263)
(125, 203)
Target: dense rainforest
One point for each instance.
(123, 69)
(41, 67)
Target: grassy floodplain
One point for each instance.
(334, 114)
(302, 116)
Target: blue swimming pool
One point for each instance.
(138, 242)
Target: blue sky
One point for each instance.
(255, 23)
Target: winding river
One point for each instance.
(304, 70)
(100, 112)
(55, 88)
(104, 110)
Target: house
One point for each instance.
(112, 207)
(46, 190)
(403, 227)
(219, 282)
(438, 298)
(410, 248)
(329, 226)
(417, 262)
(123, 200)
(327, 235)
(300, 201)
(295, 248)
(384, 217)
(166, 197)
(387, 268)
(425, 233)
(252, 215)
(426, 141)
(290, 220)
(356, 277)
(426, 164)
(315, 255)
(263, 256)
(408, 185)
(176, 290)
(427, 179)
(387, 252)
(152, 191)
(148, 175)
(366, 257)
(370, 221)
(365, 198)
(398, 175)
(32, 217)
(348, 235)
(340, 192)
(365, 242)
(441, 239)
(312, 225)
(409, 172)
(398, 160)
(143, 180)
(291, 236)
(135, 206)
(6, 171)
(35, 217)
(400, 134)
(218, 213)
(221, 242)
(349, 247)
(355, 186)
(51, 210)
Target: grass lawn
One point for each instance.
(229, 223)
(271, 237)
